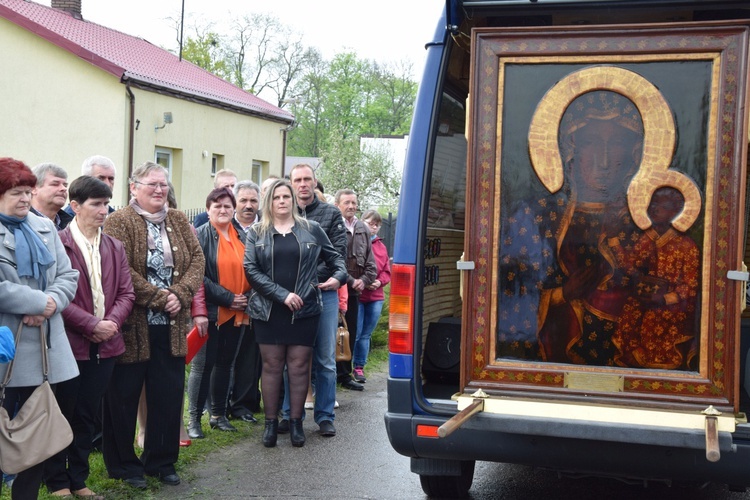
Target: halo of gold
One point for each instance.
(658, 140)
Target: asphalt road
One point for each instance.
(359, 463)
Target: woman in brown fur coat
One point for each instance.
(166, 264)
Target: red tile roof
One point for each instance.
(133, 60)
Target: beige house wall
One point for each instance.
(196, 134)
(57, 107)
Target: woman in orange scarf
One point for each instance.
(226, 299)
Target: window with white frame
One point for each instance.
(163, 157)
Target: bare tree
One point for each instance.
(291, 61)
(254, 36)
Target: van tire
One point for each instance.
(449, 486)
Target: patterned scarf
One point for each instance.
(157, 218)
(93, 260)
(32, 257)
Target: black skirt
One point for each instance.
(279, 329)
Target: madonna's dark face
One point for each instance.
(603, 160)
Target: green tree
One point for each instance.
(390, 111)
(355, 97)
(366, 170)
(309, 99)
(205, 50)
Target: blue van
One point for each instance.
(568, 262)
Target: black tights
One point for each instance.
(297, 360)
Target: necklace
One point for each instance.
(284, 230)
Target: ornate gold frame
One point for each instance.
(598, 57)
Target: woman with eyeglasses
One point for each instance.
(372, 297)
(166, 264)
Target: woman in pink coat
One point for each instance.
(372, 297)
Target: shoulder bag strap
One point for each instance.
(9, 371)
(45, 361)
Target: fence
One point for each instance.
(387, 232)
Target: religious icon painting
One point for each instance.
(605, 164)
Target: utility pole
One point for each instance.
(182, 26)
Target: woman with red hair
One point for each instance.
(36, 283)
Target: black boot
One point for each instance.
(271, 433)
(194, 429)
(222, 423)
(296, 432)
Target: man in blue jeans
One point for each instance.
(329, 217)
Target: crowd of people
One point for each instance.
(262, 276)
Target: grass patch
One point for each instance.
(215, 440)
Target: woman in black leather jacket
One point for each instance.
(226, 300)
(281, 259)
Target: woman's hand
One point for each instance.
(293, 302)
(201, 322)
(374, 285)
(50, 308)
(173, 305)
(33, 320)
(330, 284)
(104, 330)
(239, 303)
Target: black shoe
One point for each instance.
(352, 385)
(222, 424)
(297, 433)
(283, 426)
(247, 417)
(138, 482)
(194, 430)
(327, 429)
(270, 434)
(170, 479)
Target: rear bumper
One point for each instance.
(582, 447)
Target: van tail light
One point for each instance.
(401, 321)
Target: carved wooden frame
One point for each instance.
(495, 53)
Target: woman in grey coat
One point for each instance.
(36, 283)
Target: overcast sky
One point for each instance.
(383, 30)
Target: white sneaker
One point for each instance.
(309, 405)
(335, 404)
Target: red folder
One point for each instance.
(194, 344)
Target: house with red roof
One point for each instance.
(70, 88)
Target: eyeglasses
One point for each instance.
(153, 185)
(373, 224)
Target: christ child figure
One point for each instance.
(657, 327)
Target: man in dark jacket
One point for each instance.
(362, 269)
(245, 395)
(50, 194)
(303, 181)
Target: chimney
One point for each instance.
(72, 6)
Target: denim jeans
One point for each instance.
(367, 320)
(323, 362)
